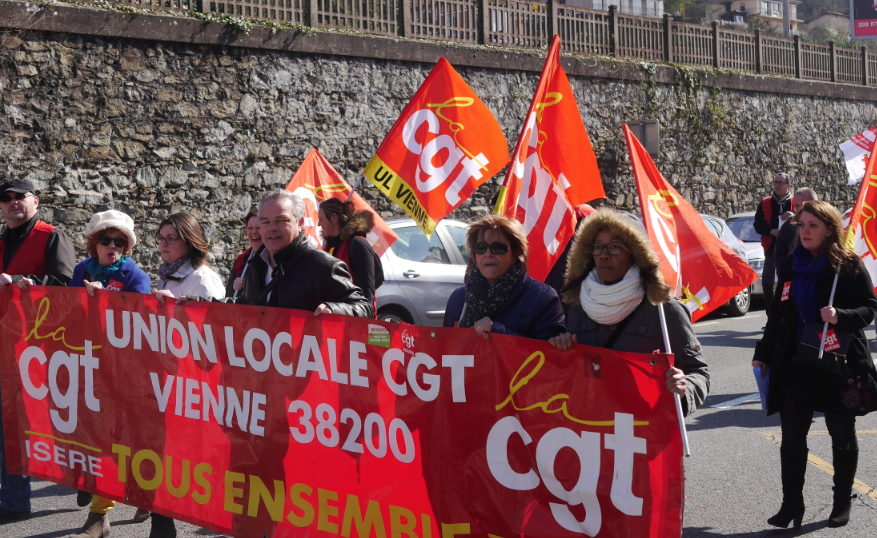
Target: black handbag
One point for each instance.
(858, 392)
(837, 344)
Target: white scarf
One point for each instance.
(609, 304)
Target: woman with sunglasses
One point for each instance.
(184, 251)
(499, 296)
(109, 241)
(614, 286)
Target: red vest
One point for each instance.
(343, 254)
(241, 261)
(767, 208)
(30, 258)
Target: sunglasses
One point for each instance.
(614, 249)
(119, 242)
(496, 248)
(170, 240)
(17, 196)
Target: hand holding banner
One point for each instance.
(553, 169)
(255, 421)
(445, 145)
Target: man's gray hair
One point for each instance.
(808, 192)
(784, 176)
(298, 205)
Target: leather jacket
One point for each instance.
(308, 278)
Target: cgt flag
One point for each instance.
(445, 145)
(553, 169)
(861, 235)
(316, 181)
(706, 271)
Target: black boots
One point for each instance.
(845, 462)
(162, 527)
(794, 466)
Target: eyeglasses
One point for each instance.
(119, 242)
(17, 196)
(496, 248)
(614, 249)
(170, 240)
(780, 182)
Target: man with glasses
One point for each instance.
(770, 212)
(29, 248)
(787, 240)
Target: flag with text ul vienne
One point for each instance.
(861, 235)
(706, 271)
(316, 181)
(445, 145)
(553, 169)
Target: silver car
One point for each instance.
(420, 274)
(739, 305)
(741, 225)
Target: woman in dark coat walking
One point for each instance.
(499, 296)
(344, 233)
(797, 388)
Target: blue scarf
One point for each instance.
(101, 273)
(807, 270)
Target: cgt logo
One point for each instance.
(63, 399)
(587, 447)
(408, 342)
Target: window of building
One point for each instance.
(771, 9)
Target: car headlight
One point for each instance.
(757, 264)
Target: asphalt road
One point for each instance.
(732, 477)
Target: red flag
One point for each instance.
(861, 235)
(553, 169)
(445, 145)
(316, 181)
(706, 271)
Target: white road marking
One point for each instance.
(738, 401)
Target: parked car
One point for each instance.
(420, 274)
(739, 305)
(741, 225)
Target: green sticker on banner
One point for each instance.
(378, 336)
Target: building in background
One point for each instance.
(741, 11)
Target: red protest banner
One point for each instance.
(705, 271)
(316, 180)
(553, 169)
(258, 421)
(445, 145)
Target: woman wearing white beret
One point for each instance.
(109, 240)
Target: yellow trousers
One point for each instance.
(101, 505)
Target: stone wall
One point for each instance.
(151, 126)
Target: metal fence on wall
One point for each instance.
(530, 23)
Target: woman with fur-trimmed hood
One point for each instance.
(614, 284)
(344, 230)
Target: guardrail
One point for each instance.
(530, 24)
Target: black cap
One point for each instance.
(17, 185)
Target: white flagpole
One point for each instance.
(244, 272)
(830, 303)
(685, 450)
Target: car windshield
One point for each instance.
(742, 228)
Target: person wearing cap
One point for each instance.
(33, 249)
(109, 241)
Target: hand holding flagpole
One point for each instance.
(830, 303)
(685, 450)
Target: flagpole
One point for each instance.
(685, 449)
(830, 302)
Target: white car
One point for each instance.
(741, 225)
(420, 274)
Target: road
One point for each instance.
(732, 477)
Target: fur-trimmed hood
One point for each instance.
(361, 223)
(581, 261)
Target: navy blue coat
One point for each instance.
(131, 277)
(533, 310)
